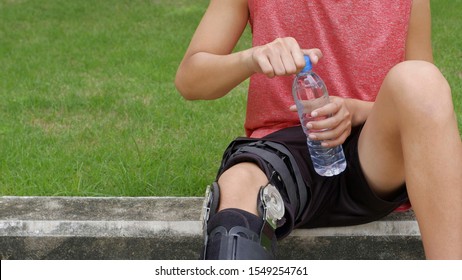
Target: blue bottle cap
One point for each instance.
(308, 65)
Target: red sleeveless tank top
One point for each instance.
(361, 41)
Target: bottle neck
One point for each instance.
(304, 73)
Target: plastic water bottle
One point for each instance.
(310, 93)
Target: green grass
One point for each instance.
(88, 106)
(447, 46)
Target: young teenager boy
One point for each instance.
(391, 109)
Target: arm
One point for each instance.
(418, 41)
(208, 69)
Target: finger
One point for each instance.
(289, 63)
(326, 135)
(335, 142)
(297, 56)
(286, 49)
(314, 54)
(277, 64)
(333, 137)
(337, 123)
(264, 58)
(291, 54)
(326, 110)
(265, 66)
(327, 123)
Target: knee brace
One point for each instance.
(284, 178)
(279, 165)
(237, 242)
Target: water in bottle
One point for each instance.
(310, 93)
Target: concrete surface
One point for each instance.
(170, 228)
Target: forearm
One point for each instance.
(418, 42)
(209, 76)
(359, 110)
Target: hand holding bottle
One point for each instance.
(314, 109)
(334, 122)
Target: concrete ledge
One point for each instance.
(170, 228)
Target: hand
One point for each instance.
(335, 128)
(281, 57)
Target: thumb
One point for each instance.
(314, 54)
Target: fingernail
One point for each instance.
(324, 144)
(309, 126)
(314, 114)
(312, 136)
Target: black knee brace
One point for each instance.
(279, 165)
(237, 242)
(256, 240)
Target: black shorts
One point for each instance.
(341, 200)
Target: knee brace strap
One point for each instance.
(239, 243)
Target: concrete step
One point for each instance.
(170, 228)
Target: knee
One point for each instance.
(243, 175)
(239, 187)
(419, 88)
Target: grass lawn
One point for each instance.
(88, 106)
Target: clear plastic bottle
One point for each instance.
(310, 93)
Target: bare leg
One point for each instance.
(239, 187)
(412, 135)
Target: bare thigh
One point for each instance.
(413, 96)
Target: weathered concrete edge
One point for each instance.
(52, 217)
(182, 228)
(170, 228)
